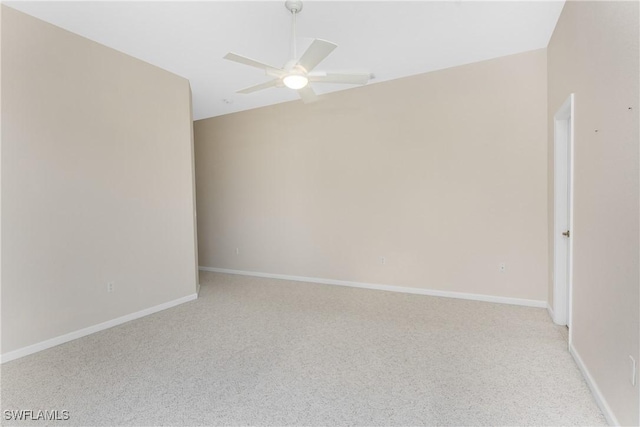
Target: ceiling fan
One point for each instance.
(298, 72)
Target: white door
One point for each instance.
(563, 205)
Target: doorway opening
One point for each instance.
(563, 214)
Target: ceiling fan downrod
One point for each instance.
(293, 6)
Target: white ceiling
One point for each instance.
(390, 39)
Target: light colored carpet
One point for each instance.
(271, 352)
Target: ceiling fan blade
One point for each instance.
(346, 78)
(265, 85)
(317, 51)
(307, 94)
(276, 72)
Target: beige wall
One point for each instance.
(1, 9)
(96, 183)
(594, 54)
(194, 260)
(444, 174)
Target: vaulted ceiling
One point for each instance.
(391, 39)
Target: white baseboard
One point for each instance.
(600, 400)
(550, 311)
(25, 351)
(390, 288)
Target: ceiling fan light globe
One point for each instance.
(295, 81)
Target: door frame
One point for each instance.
(563, 131)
